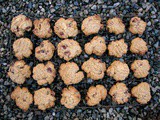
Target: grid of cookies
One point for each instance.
(70, 72)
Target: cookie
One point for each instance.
(117, 48)
(20, 24)
(91, 25)
(44, 51)
(138, 46)
(42, 28)
(44, 73)
(22, 97)
(70, 97)
(19, 71)
(118, 70)
(44, 98)
(22, 48)
(95, 94)
(115, 25)
(70, 73)
(140, 68)
(142, 93)
(66, 28)
(119, 93)
(94, 68)
(137, 26)
(68, 49)
(96, 46)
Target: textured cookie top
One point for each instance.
(70, 97)
(44, 73)
(68, 49)
(22, 97)
(95, 94)
(118, 70)
(44, 51)
(65, 28)
(96, 46)
(91, 25)
(115, 25)
(20, 24)
(70, 73)
(44, 98)
(94, 68)
(42, 28)
(140, 68)
(117, 48)
(19, 71)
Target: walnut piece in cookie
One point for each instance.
(138, 46)
(44, 73)
(42, 28)
(91, 25)
(19, 71)
(65, 28)
(118, 70)
(68, 49)
(115, 25)
(96, 46)
(22, 47)
(119, 93)
(95, 94)
(140, 68)
(117, 48)
(137, 26)
(44, 98)
(44, 51)
(22, 97)
(70, 97)
(20, 24)
(94, 68)
(70, 73)
(142, 92)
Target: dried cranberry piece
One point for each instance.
(61, 33)
(27, 28)
(49, 70)
(64, 46)
(68, 53)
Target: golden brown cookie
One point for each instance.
(96, 46)
(20, 24)
(22, 97)
(44, 98)
(44, 73)
(65, 28)
(94, 68)
(70, 97)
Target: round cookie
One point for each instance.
(94, 68)
(95, 94)
(44, 51)
(142, 92)
(19, 71)
(117, 48)
(44, 73)
(138, 46)
(20, 24)
(96, 46)
(119, 93)
(22, 97)
(70, 97)
(70, 73)
(115, 25)
(118, 70)
(137, 26)
(42, 28)
(44, 98)
(65, 28)
(91, 25)
(68, 49)
(22, 47)
(140, 68)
